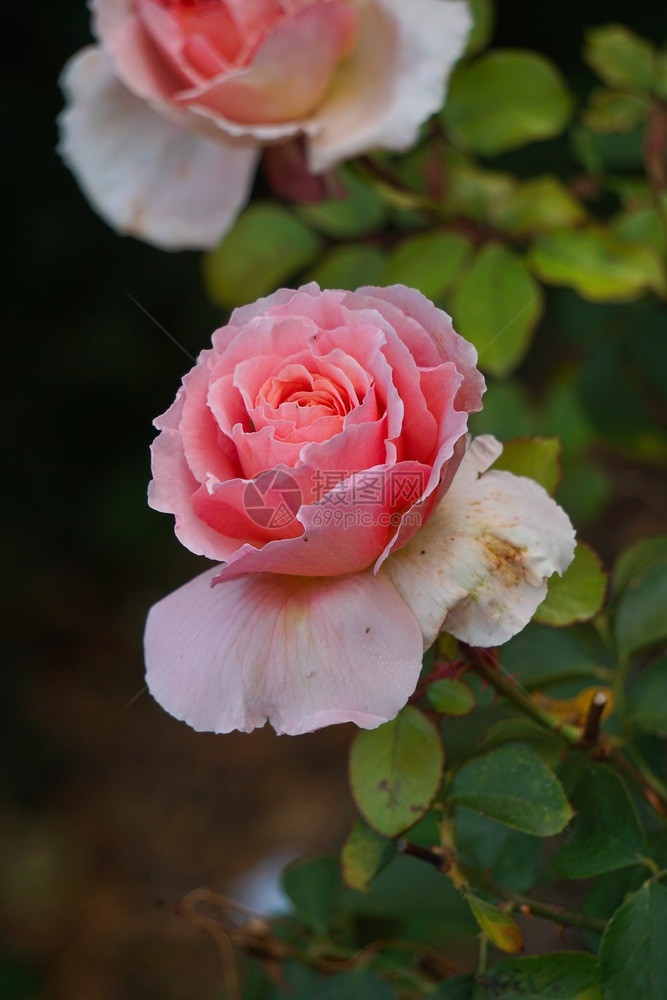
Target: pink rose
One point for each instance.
(166, 117)
(318, 450)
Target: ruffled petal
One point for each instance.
(430, 337)
(289, 73)
(136, 60)
(171, 491)
(300, 653)
(146, 175)
(392, 82)
(478, 568)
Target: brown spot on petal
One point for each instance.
(505, 558)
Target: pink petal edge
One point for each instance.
(302, 653)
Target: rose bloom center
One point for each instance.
(295, 384)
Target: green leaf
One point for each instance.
(641, 613)
(581, 324)
(610, 111)
(360, 213)
(365, 853)
(514, 787)
(536, 458)
(498, 926)
(644, 331)
(566, 975)
(350, 267)
(267, 245)
(305, 984)
(428, 262)
(633, 957)
(648, 698)
(497, 305)
(578, 594)
(314, 885)
(564, 414)
(542, 656)
(508, 857)
(631, 190)
(619, 57)
(605, 835)
(538, 205)
(599, 152)
(410, 888)
(519, 730)
(608, 892)
(634, 560)
(472, 191)
(483, 17)
(641, 226)
(451, 697)
(529, 102)
(456, 988)
(605, 376)
(395, 771)
(585, 490)
(660, 73)
(507, 412)
(596, 264)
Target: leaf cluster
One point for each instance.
(518, 782)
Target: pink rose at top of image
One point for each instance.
(318, 451)
(167, 115)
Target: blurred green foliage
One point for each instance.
(553, 265)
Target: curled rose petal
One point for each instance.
(424, 39)
(479, 567)
(303, 653)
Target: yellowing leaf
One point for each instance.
(499, 927)
(365, 853)
(575, 710)
(598, 265)
(609, 111)
(538, 205)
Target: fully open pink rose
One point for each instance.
(318, 451)
(167, 115)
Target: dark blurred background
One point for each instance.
(110, 806)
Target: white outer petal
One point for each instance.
(479, 566)
(144, 174)
(304, 653)
(393, 81)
